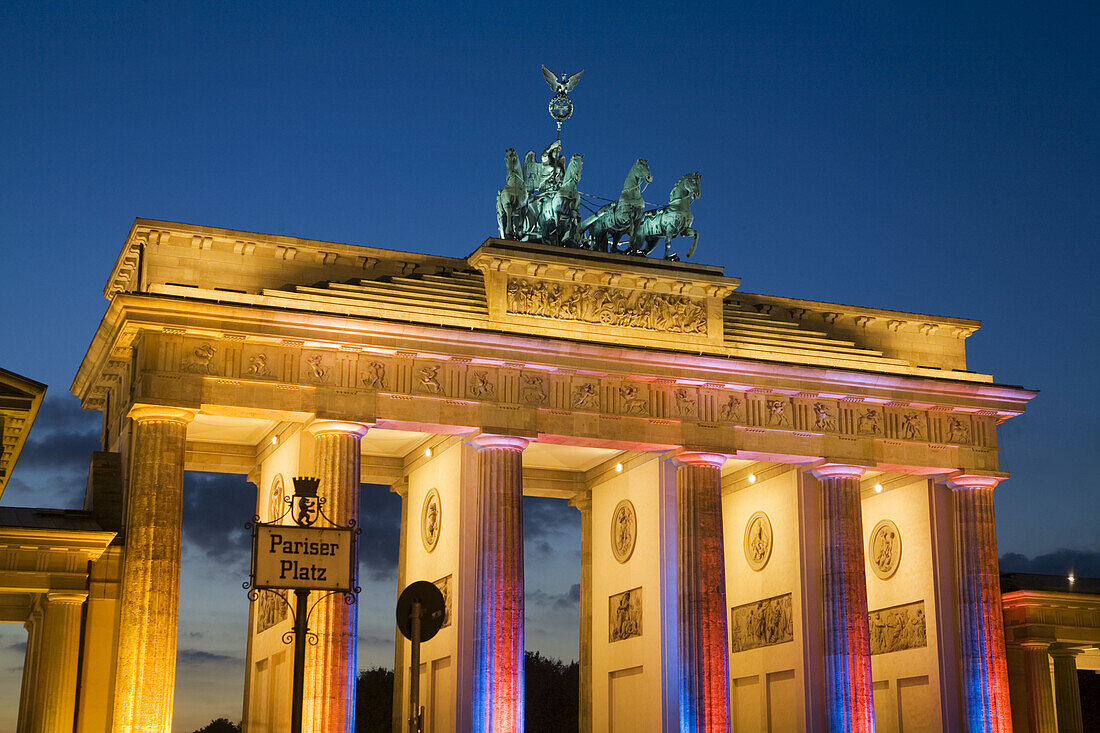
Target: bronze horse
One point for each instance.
(619, 218)
(670, 221)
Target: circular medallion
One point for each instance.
(278, 498)
(884, 549)
(561, 107)
(624, 530)
(431, 520)
(758, 541)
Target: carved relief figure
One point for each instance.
(761, 623)
(685, 403)
(758, 541)
(534, 391)
(625, 615)
(431, 520)
(624, 531)
(429, 379)
(586, 396)
(633, 402)
(777, 412)
(884, 549)
(444, 585)
(375, 377)
(898, 628)
(606, 306)
(201, 361)
(958, 431)
(912, 427)
(825, 418)
(481, 387)
(317, 371)
(868, 423)
(257, 366)
(731, 410)
(271, 609)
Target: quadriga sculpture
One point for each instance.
(620, 218)
(555, 215)
(512, 200)
(670, 221)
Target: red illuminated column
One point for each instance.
(849, 699)
(981, 626)
(498, 613)
(701, 594)
(328, 703)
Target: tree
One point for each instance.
(221, 725)
(374, 701)
(551, 699)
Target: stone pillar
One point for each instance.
(981, 625)
(583, 502)
(27, 695)
(145, 680)
(1040, 701)
(1067, 692)
(55, 690)
(328, 704)
(849, 701)
(701, 594)
(498, 612)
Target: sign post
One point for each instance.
(420, 611)
(303, 558)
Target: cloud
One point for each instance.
(1084, 564)
(199, 657)
(546, 518)
(539, 597)
(53, 467)
(216, 508)
(380, 519)
(19, 647)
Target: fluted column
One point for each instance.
(1040, 700)
(701, 594)
(27, 696)
(56, 686)
(328, 704)
(498, 612)
(1067, 693)
(981, 625)
(583, 502)
(849, 698)
(145, 680)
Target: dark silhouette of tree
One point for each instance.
(551, 699)
(374, 701)
(221, 725)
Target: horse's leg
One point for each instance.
(695, 242)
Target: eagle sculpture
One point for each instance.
(565, 85)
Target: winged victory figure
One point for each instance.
(565, 85)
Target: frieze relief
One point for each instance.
(200, 360)
(761, 623)
(271, 609)
(533, 391)
(374, 375)
(624, 615)
(633, 400)
(444, 585)
(607, 306)
(898, 628)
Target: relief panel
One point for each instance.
(898, 628)
(624, 615)
(761, 623)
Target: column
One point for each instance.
(146, 674)
(981, 625)
(399, 714)
(498, 613)
(1040, 701)
(328, 704)
(55, 691)
(583, 502)
(1067, 693)
(27, 696)
(701, 594)
(849, 701)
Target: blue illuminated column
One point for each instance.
(848, 695)
(981, 625)
(498, 611)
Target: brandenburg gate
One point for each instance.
(786, 505)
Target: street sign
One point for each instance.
(309, 558)
(432, 609)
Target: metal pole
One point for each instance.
(414, 679)
(300, 630)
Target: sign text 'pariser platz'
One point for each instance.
(303, 557)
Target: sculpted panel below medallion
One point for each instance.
(625, 615)
(444, 585)
(761, 623)
(898, 628)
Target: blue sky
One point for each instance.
(939, 159)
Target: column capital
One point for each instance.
(960, 480)
(582, 501)
(700, 458)
(338, 427)
(75, 597)
(838, 470)
(1035, 644)
(161, 413)
(1064, 652)
(507, 442)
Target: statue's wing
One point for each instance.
(530, 171)
(572, 81)
(551, 79)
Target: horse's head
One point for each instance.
(689, 184)
(511, 160)
(641, 170)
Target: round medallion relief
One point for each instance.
(884, 549)
(431, 520)
(278, 498)
(758, 541)
(624, 530)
